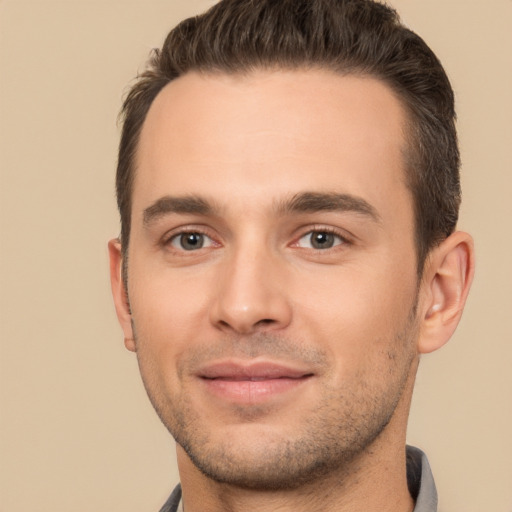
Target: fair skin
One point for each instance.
(274, 303)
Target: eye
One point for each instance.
(320, 240)
(191, 241)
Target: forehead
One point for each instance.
(269, 132)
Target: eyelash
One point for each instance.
(344, 239)
(192, 230)
(176, 233)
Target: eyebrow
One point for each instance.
(180, 205)
(305, 202)
(310, 202)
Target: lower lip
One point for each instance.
(252, 391)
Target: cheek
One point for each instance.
(168, 312)
(357, 315)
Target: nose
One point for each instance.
(251, 294)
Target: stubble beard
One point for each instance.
(337, 432)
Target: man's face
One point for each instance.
(272, 271)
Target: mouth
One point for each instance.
(252, 382)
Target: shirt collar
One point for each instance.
(420, 481)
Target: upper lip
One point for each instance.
(251, 370)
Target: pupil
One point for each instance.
(190, 241)
(322, 240)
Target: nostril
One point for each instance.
(265, 321)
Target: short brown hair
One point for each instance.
(361, 37)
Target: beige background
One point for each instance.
(77, 432)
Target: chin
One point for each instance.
(277, 458)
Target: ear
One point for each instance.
(447, 278)
(120, 294)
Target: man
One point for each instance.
(288, 188)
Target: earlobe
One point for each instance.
(446, 282)
(119, 293)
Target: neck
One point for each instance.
(376, 481)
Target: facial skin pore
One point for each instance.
(274, 303)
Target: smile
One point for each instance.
(253, 382)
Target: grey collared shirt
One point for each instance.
(419, 479)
